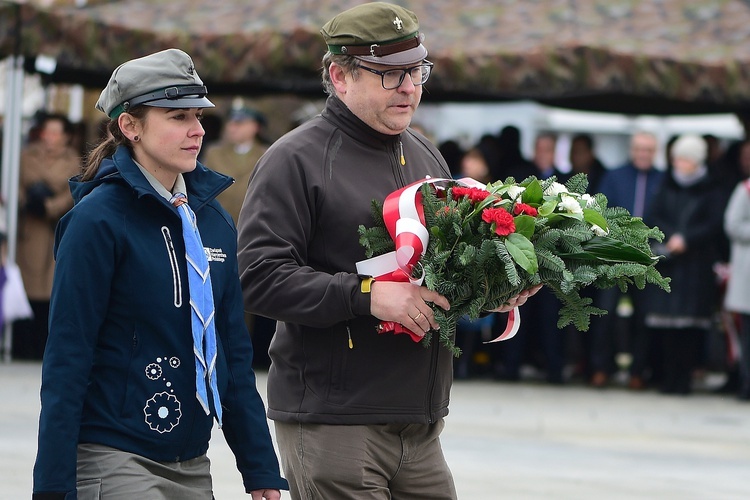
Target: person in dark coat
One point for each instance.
(510, 160)
(688, 208)
(539, 327)
(632, 186)
(584, 160)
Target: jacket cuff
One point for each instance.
(360, 301)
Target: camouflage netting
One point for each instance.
(634, 56)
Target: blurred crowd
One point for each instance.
(647, 340)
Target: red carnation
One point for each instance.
(523, 208)
(503, 221)
(474, 194)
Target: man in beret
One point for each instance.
(237, 153)
(357, 414)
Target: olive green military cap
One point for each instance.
(377, 32)
(165, 79)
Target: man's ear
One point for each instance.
(338, 78)
(129, 126)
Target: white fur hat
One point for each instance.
(691, 147)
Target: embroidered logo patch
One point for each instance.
(215, 254)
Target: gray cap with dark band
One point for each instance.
(165, 79)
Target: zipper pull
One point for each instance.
(401, 147)
(349, 333)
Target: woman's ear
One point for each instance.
(129, 125)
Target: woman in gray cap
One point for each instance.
(147, 341)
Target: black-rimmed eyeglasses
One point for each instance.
(393, 78)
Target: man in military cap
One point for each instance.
(237, 153)
(357, 414)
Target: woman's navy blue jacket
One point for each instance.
(119, 368)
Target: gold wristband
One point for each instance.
(365, 285)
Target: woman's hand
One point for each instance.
(266, 494)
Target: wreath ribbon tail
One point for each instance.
(511, 327)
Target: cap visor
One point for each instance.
(182, 103)
(411, 56)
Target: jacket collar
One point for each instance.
(203, 185)
(338, 113)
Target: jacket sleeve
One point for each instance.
(277, 220)
(737, 215)
(245, 426)
(80, 294)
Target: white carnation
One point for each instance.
(570, 205)
(555, 189)
(515, 191)
(590, 201)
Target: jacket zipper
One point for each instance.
(176, 279)
(430, 394)
(435, 347)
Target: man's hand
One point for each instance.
(518, 300)
(406, 304)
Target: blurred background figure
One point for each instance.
(538, 340)
(453, 154)
(542, 164)
(583, 160)
(474, 164)
(213, 126)
(633, 187)
(471, 333)
(737, 297)
(734, 165)
(237, 153)
(688, 208)
(715, 150)
(510, 159)
(44, 196)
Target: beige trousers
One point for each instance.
(109, 474)
(364, 462)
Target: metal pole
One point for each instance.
(10, 169)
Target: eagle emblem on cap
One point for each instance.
(191, 69)
(398, 23)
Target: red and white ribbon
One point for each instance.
(511, 327)
(403, 214)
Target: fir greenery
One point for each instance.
(567, 241)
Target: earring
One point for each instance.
(136, 139)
